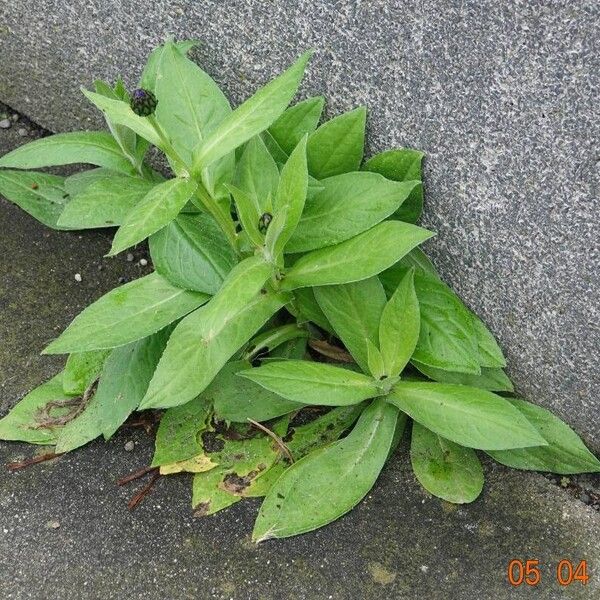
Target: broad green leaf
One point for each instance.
(291, 193)
(157, 209)
(237, 399)
(190, 104)
(468, 416)
(296, 122)
(126, 314)
(358, 258)
(565, 453)
(337, 146)
(257, 174)
(204, 341)
(329, 482)
(39, 194)
(448, 339)
(399, 326)
(77, 183)
(295, 348)
(443, 468)
(81, 370)
(104, 203)
(148, 79)
(125, 378)
(248, 214)
(354, 310)
(305, 308)
(91, 147)
(178, 436)
(120, 112)
(347, 205)
(208, 497)
(401, 165)
(252, 117)
(490, 354)
(275, 150)
(23, 422)
(494, 380)
(192, 253)
(309, 382)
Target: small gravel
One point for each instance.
(143, 262)
(23, 132)
(78, 277)
(5, 123)
(129, 446)
(130, 257)
(52, 524)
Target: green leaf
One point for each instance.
(157, 209)
(399, 326)
(22, 423)
(309, 382)
(418, 259)
(105, 202)
(490, 354)
(468, 416)
(494, 380)
(257, 174)
(291, 193)
(329, 482)
(237, 399)
(354, 310)
(125, 378)
(126, 314)
(204, 341)
(190, 104)
(148, 79)
(192, 253)
(337, 146)
(296, 122)
(81, 370)
(92, 147)
(120, 113)
(39, 194)
(401, 165)
(79, 182)
(178, 435)
(565, 453)
(447, 339)
(443, 468)
(305, 308)
(252, 117)
(347, 205)
(360, 257)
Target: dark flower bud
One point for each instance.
(263, 222)
(143, 102)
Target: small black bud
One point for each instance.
(143, 102)
(263, 222)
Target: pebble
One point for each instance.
(129, 446)
(23, 132)
(77, 276)
(585, 498)
(53, 524)
(5, 123)
(143, 262)
(129, 257)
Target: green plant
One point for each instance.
(292, 325)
